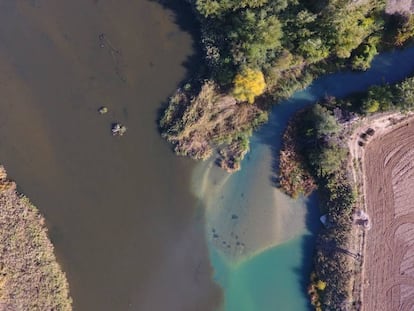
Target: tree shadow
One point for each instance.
(313, 225)
(185, 18)
(271, 133)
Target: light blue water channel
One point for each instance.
(276, 277)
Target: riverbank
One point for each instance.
(320, 134)
(30, 277)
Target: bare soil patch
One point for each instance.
(399, 6)
(388, 274)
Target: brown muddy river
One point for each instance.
(119, 209)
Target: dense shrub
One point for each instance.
(379, 98)
(405, 30)
(389, 97)
(365, 54)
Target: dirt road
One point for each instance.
(389, 250)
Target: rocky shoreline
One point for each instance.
(30, 277)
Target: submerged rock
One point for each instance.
(118, 129)
(103, 110)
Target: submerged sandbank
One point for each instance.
(245, 214)
(266, 265)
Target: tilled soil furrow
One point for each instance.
(389, 252)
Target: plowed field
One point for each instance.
(389, 252)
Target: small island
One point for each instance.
(30, 277)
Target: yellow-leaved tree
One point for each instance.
(248, 84)
(321, 285)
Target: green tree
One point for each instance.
(379, 98)
(328, 160)
(209, 8)
(253, 34)
(313, 49)
(348, 25)
(405, 31)
(405, 94)
(325, 123)
(363, 58)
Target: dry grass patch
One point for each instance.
(30, 277)
(197, 124)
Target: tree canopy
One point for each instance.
(260, 33)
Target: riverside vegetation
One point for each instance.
(316, 142)
(259, 52)
(30, 277)
(320, 143)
